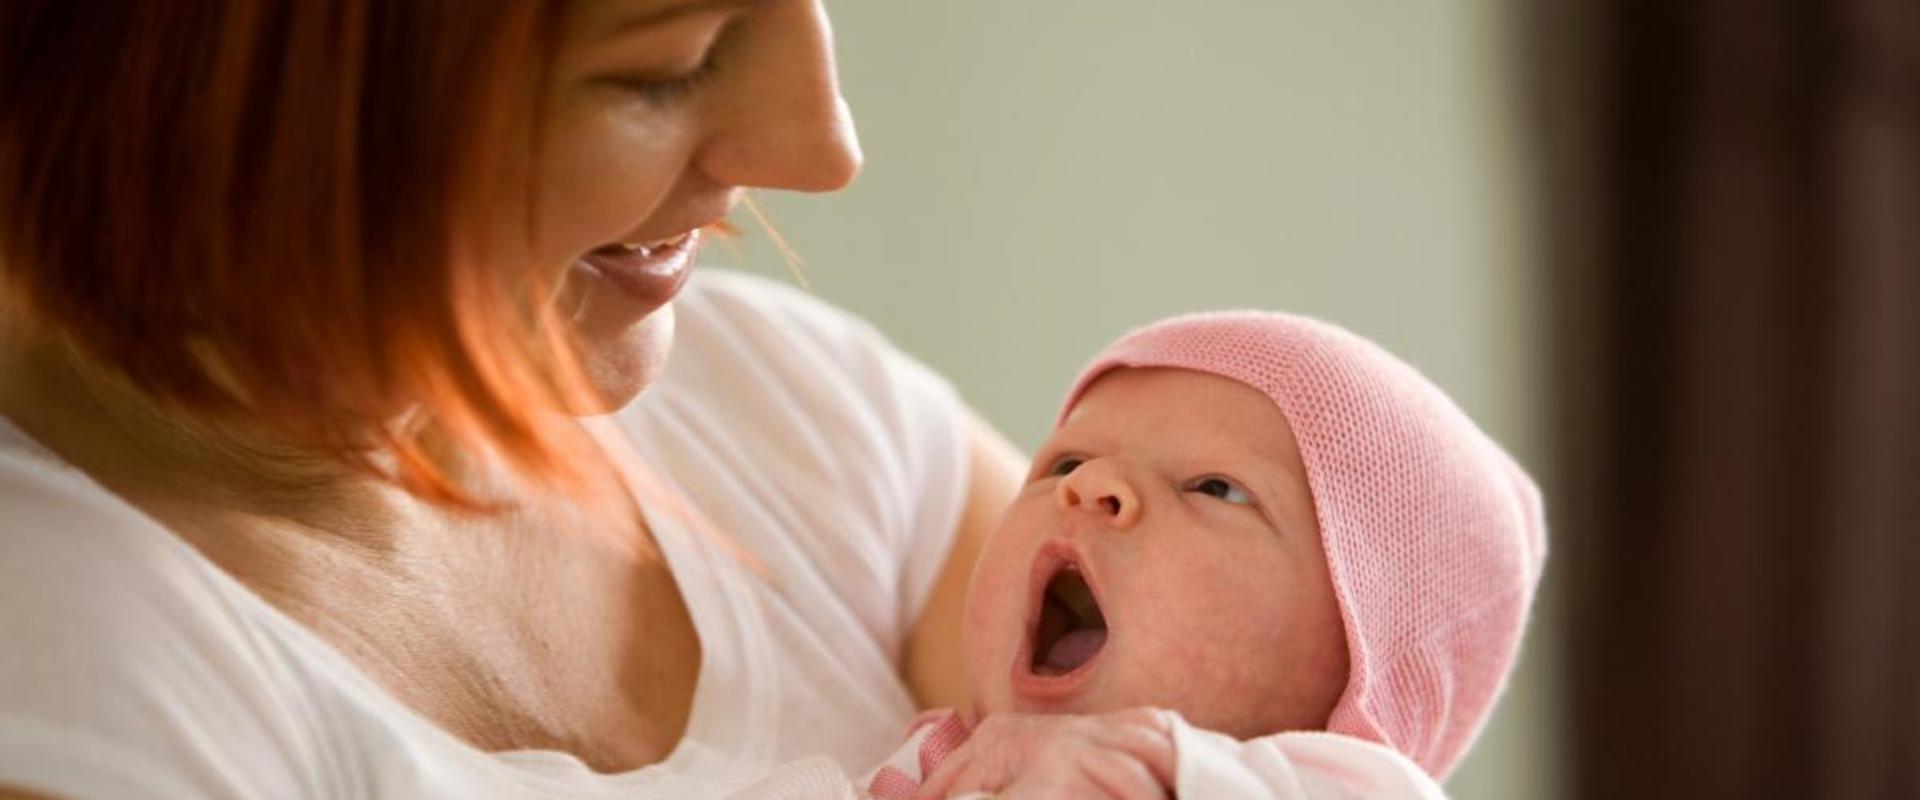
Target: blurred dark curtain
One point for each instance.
(1732, 191)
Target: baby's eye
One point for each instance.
(1223, 488)
(1064, 465)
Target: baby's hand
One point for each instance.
(1123, 755)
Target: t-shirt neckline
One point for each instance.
(726, 619)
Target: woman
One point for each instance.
(303, 305)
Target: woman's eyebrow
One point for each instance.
(675, 11)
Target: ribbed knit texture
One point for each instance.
(1434, 536)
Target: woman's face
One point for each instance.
(657, 115)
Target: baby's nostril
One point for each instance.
(1111, 504)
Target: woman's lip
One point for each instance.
(1048, 689)
(651, 276)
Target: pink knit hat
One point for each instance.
(1434, 536)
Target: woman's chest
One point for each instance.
(521, 637)
(584, 653)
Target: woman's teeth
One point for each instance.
(649, 248)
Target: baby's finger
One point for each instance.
(1147, 737)
(1123, 777)
(1144, 716)
(945, 778)
(1090, 773)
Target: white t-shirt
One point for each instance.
(130, 666)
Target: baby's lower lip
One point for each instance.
(1044, 691)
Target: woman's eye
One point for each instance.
(666, 91)
(1065, 465)
(1222, 488)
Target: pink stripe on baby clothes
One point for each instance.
(933, 735)
(892, 784)
(945, 738)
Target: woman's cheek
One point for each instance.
(603, 172)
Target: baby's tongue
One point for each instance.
(1074, 648)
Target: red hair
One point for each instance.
(265, 211)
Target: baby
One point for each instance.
(1264, 525)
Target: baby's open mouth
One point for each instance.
(1071, 629)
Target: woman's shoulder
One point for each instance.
(63, 533)
(790, 371)
(87, 583)
(748, 301)
(119, 656)
(799, 428)
(730, 321)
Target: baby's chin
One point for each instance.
(1120, 695)
(1096, 696)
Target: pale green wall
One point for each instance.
(1043, 174)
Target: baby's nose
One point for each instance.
(1098, 487)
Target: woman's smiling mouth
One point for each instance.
(650, 273)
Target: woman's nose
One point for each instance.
(1100, 487)
(785, 125)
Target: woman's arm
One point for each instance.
(933, 665)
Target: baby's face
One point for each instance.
(1164, 552)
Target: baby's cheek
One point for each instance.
(1212, 653)
(1287, 667)
(985, 643)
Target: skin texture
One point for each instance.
(1216, 594)
(517, 631)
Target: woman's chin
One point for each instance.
(620, 364)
